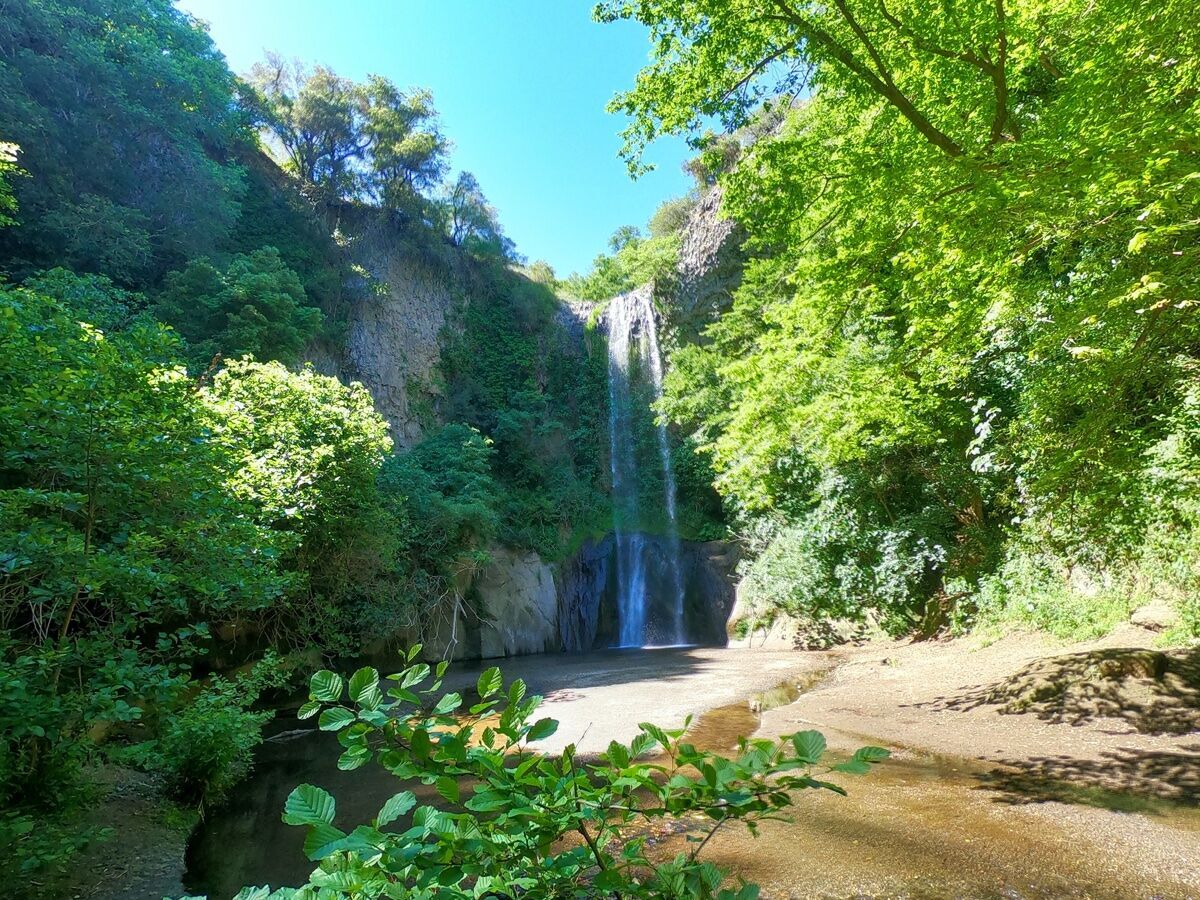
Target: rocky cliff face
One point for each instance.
(401, 299)
(709, 268)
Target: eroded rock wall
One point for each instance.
(709, 268)
(400, 296)
(517, 603)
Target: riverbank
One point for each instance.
(1023, 768)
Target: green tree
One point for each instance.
(472, 222)
(119, 534)
(974, 258)
(349, 140)
(308, 451)
(127, 122)
(257, 306)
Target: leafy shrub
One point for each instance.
(516, 823)
(1038, 590)
(257, 306)
(206, 747)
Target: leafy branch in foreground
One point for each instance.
(512, 822)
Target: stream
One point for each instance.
(597, 697)
(921, 825)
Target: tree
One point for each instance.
(256, 307)
(718, 59)
(308, 450)
(349, 140)
(317, 117)
(941, 332)
(128, 127)
(120, 538)
(472, 222)
(407, 151)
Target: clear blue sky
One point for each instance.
(521, 88)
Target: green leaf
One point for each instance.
(541, 729)
(354, 758)
(335, 718)
(656, 733)
(309, 709)
(488, 801)
(810, 746)
(448, 788)
(447, 704)
(489, 682)
(414, 675)
(308, 805)
(396, 806)
(618, 755)
(516, 692)
(364, 688)
(321, 841)
(853, 767)
(872, 754)
(326, 685)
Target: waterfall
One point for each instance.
(633, 338)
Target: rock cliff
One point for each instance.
(709, 268)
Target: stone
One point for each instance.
(517, 604)
(1157, 615)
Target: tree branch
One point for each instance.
(885, 88)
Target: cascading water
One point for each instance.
(633, 338)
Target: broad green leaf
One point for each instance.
(322, 840)
(364, 688)
(396, 806)
(308, 805)
(542, 729)
(448, 788)
(810, 746)
(309, 709)
(326, 686)
(335, 718)
(489, 682)
(516, 691)
(447, 704)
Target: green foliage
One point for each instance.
(347, 140)
(135, 509)
(514, 373)
(205, 747)
(512, 822)
(970, 312)
(308, 450)
(118, 529)
(635, 261)
(471, 222)
(8, 168)
(256, 307)
(125, 116)
(448, 494)
(671, 216)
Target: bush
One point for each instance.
(517, 823)
(206, 748)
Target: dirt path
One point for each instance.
(1021, 769)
